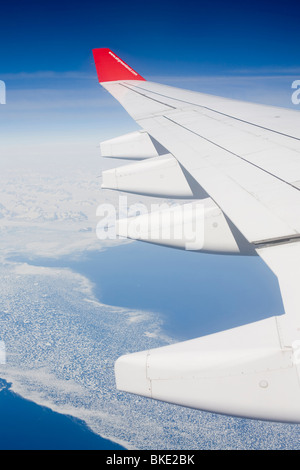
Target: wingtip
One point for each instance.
(111, 68)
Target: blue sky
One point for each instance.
(53, 98)
(178, 37)
(55, 106)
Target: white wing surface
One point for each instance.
(242, 162)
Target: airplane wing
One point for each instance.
(239, 163)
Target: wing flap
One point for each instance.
(260, 205)
(283, 260)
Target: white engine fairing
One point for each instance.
(159, 176)
(241, 372)
(136, 145)
(196, 226)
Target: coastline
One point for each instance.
(61, 299)
(186, 289)
(26, 425)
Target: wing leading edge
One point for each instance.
(242, 161)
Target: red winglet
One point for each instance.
(110, 67)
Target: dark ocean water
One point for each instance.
(24, 425)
